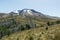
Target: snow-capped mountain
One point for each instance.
(30, 12)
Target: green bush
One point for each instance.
(17, 38)
(31, 38)
(58, 22)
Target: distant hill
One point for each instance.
(3, 15)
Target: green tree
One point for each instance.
(58, 22)
(48, 23)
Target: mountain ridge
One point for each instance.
(32, 13)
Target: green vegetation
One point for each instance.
(57, 36)
(29, 28)
(36, 34)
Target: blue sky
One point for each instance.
(49, 7)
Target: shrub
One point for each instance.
(28, 26)
(17, 38)
(31, 38)
(48, 23)
(58, 22)
(22, 27)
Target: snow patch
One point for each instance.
(28, 11)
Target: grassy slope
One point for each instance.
(36, 34)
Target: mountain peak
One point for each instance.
(25, 11)
(29, 12)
